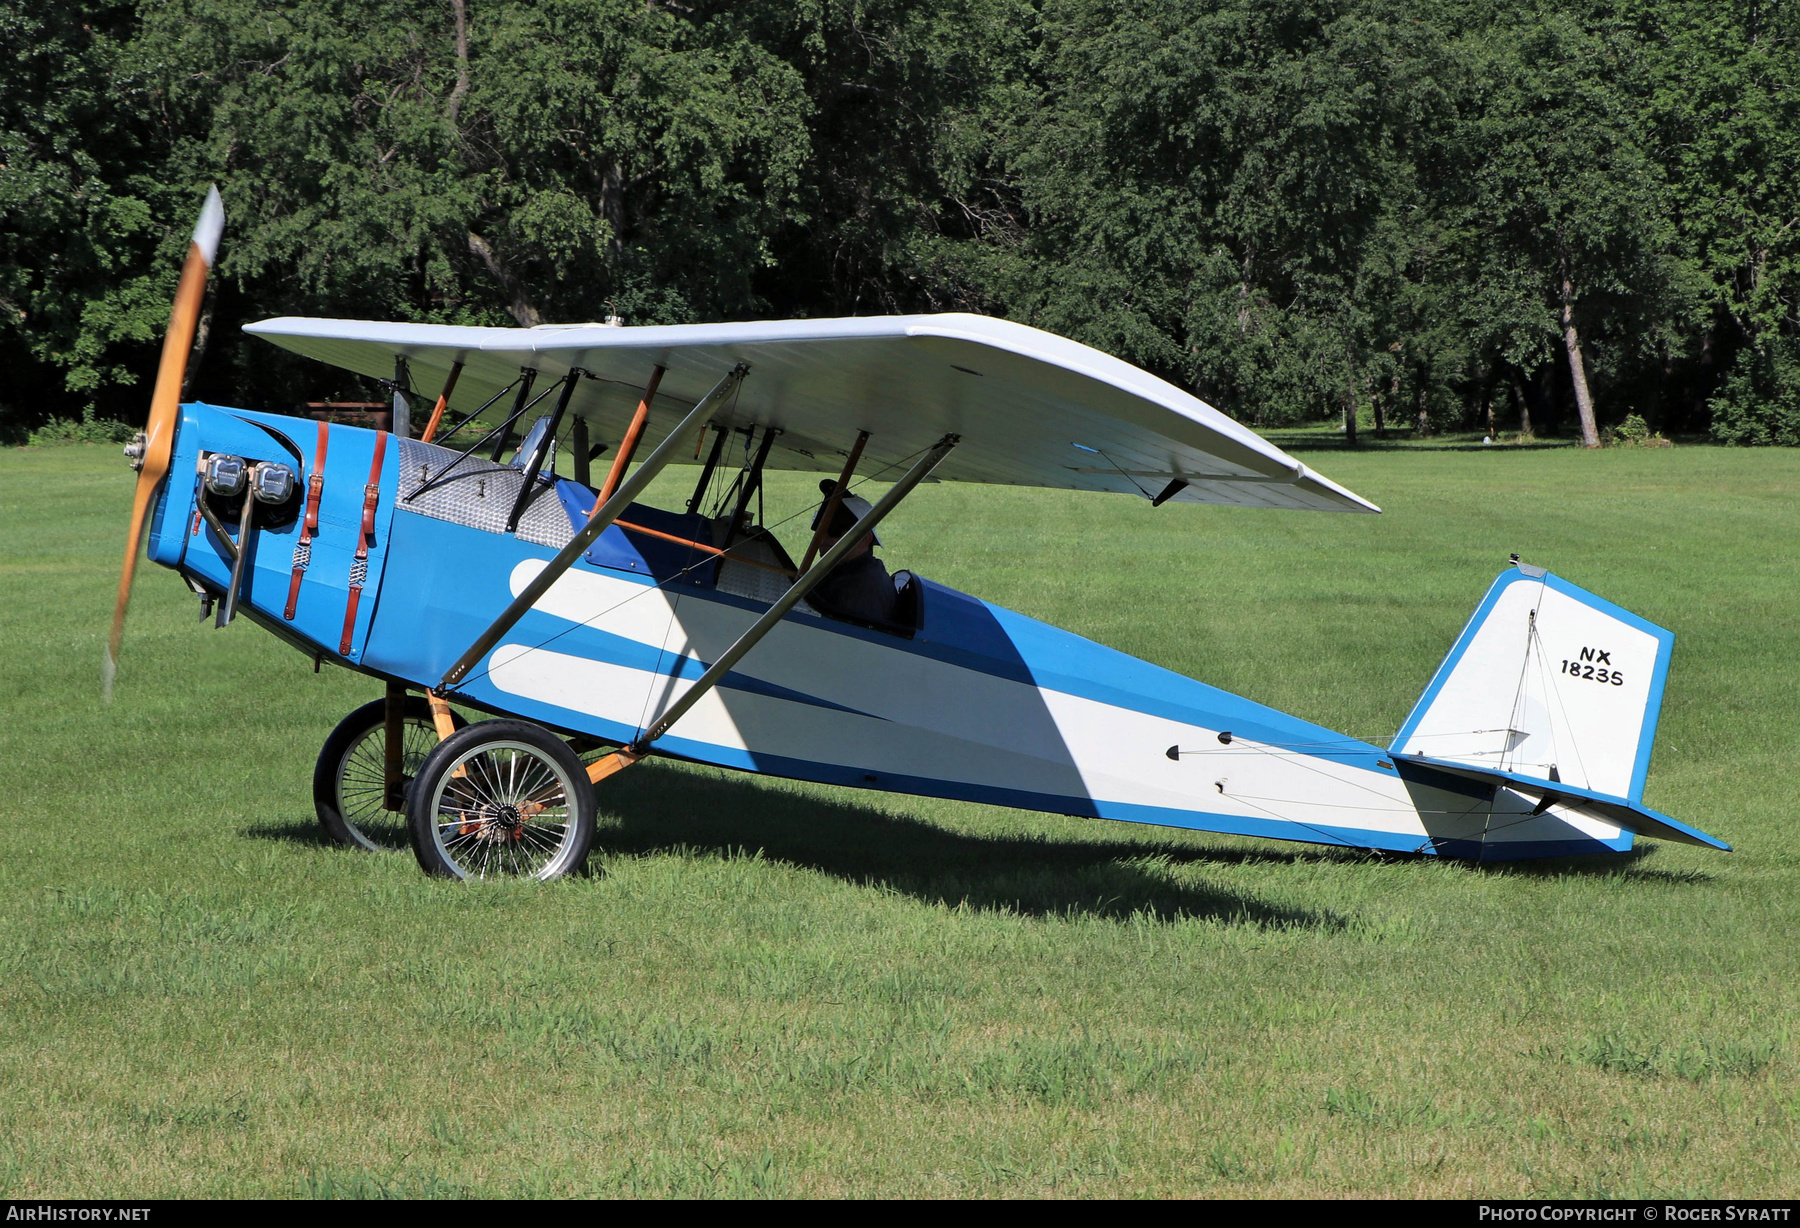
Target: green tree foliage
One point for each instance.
(1224, 193)
(83, 293)
(1427, 213)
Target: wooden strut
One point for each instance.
(443, 402)
(625, 756)
(823, 528)
(628, 445)
(605, 513)
(440, 714)
(446, 725)
(393, 773)
(704, 547)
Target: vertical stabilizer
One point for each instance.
(1547, 682)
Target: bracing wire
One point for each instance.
(1512, 720)
(1556, 694)
(705, 561)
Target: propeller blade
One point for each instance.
(165, 406)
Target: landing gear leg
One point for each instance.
(351, 783)
(393, 759)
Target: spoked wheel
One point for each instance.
(349, 781)
(501, 799)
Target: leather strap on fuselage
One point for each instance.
(309, 528)
(359, 567)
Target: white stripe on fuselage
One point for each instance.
(931, 719)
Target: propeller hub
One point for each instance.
(135, 450)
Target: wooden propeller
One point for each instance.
(153, 449)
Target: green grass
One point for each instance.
(768, 988)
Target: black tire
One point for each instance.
(522, 806)
(347, 780)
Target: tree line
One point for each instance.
(1393, 214)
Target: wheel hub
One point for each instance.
(495, 823)
(501, 801)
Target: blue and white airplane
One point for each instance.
(584, 618)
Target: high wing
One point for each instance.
(1033, 409)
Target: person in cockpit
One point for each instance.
(859, 588)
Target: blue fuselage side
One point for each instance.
(980, 703)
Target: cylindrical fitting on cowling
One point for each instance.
(272, 483)
(225, 475)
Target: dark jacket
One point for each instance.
(859, 589)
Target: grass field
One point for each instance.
(775, 989)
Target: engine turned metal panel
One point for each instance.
(480, 494)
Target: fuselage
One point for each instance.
(978, 703)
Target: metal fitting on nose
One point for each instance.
(272, 483)
(225, 475)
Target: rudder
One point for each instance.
(1547, 682)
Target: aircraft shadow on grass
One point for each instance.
(667, 811)
(659, 810)
(1628, 865)
(664, 810)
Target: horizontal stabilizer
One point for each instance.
(1633, 815)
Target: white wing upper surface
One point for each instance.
(1033, 409)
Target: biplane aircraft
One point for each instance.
(460, 567)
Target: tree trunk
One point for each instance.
(461, 90)
(1524, 402)
(1243, 294)
(521, 308)
(1658, 410)
(1584, 402)
(196, 353)
(1703, 386)
(612, 204)
(1424, 417)
(1350, 414)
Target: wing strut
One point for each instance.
(829, 511)
(604, 514)
(443, 402)
(504, 434)
(706, 472)
(752, 481)
(626, 756)
(546, 447)
(520, 406)
(633, 433)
